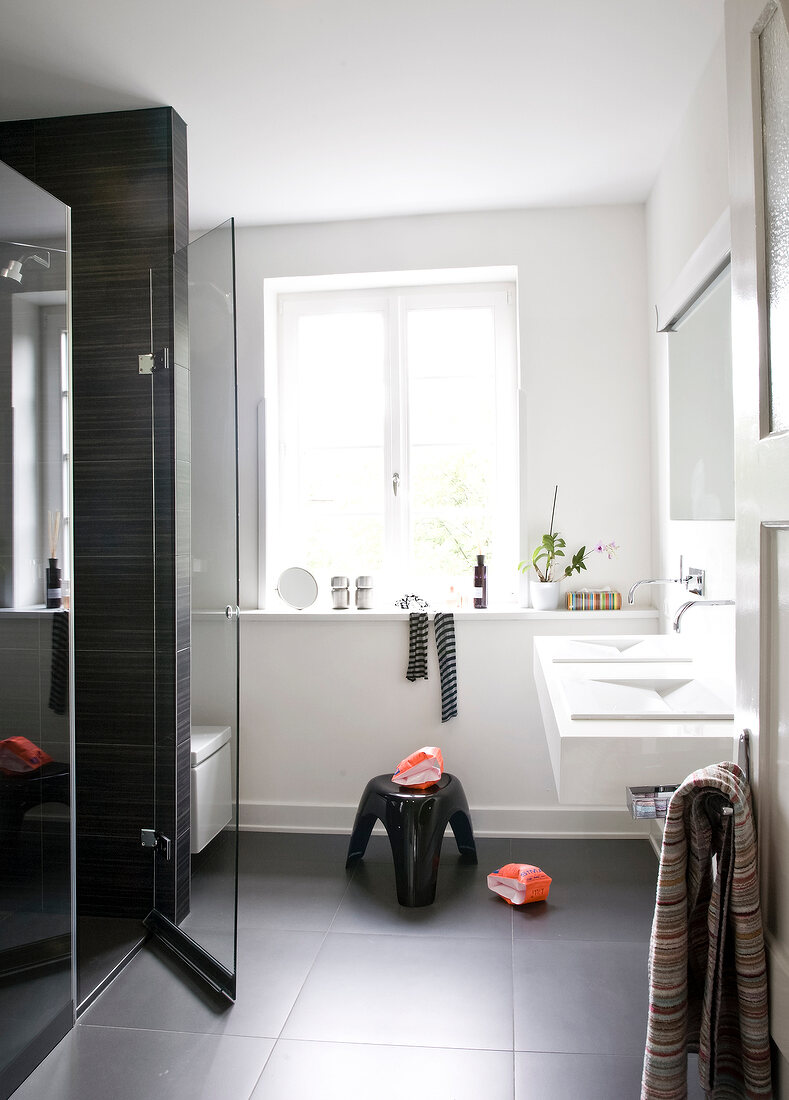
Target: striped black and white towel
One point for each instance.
(58, 688)
(445, 646)
(417, 646)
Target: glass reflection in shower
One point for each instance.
(35, 723)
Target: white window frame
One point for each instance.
(278, 418)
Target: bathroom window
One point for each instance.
(394, 447)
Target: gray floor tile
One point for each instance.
(212, 896)
(407, 990)
(464, 905)
(606, 862)
(156, 993)
(601, 890)
(586, 1076)
(584, 911)
(256, 849)
(303, 895)
(218, 943)
(93, 1063)
(102, 943)
(28, 1004)
(580, 997)
(342, 1071)
(295, 894)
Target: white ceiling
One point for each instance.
(306, 110)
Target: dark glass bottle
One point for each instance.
(480, 582)
(53, 584)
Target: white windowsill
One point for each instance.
(465, 615)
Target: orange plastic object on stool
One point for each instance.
(519, 883)
(18, 755)
(421, 769)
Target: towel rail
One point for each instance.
(744, 754)
(647, 802)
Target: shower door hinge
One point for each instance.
(153, 361)
(152, 838)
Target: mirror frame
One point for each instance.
(296, 573)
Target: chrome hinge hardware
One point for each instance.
(152, 838)
(153, 361)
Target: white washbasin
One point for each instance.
(624, 649)
(615, 717)
(651, 698)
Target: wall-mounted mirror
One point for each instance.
(695, 313)
(701, 410)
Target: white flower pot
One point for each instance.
(545, 595)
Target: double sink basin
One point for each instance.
(628, 711)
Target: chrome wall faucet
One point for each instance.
(694, 581)
(700, 603)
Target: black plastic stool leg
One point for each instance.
(357, 846)
(415, 853)
(461, 827)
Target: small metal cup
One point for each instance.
(340, 593)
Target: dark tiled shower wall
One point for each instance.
(124, 177)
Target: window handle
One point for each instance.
(395, 483)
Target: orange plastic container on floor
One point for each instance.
(519, 883)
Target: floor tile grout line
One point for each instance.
(219, 1035)
(306, 979)
(175, 1031)
(263, 1069)
(400, 1046)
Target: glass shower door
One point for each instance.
(36, 725)
(197, 709)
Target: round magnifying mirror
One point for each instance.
(297, 587)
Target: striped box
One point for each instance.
(594, 601)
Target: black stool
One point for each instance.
(415, 821)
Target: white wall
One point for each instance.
(689, 195)
(325, 705)
(583, 352)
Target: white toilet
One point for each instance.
(211, 784)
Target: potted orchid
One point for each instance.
(545, 563)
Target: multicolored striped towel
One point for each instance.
(707, 975)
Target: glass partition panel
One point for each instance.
(214, 583)
(195, 901)
(36, 990)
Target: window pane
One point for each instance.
(342, 479)
(451, 410)
(341, 396)
(451, 514)
(450, 342)
(452, 435)
(345, 545)
(340, 430)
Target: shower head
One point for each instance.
(13, 270)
